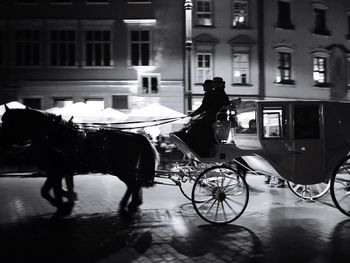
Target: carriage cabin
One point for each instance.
(302, 141)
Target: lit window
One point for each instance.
(149, 84)
(320, 70)
(95, 104)
(27, 47)
(62, 102)
(204, 68)
(204, 13)
(245, 120)
(283, 17)
(240, 13)
(284, 69)
(140, 45)
(241, 68)
(274, 122)
(62, 48)
(97, 48)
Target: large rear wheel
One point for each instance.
(220, 195)
(340, 186)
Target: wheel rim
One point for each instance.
(340, 187)
(220, 195)
(311, 191)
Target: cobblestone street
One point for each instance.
(276, 227)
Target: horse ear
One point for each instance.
(6, 107)
(71, 119)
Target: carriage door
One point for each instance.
(309, 146)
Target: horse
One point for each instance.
(61, 150)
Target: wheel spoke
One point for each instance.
(234, 211)
(210, 207)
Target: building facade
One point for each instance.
(225, 44)
(123, 54)
(307, 49)
(126, 54)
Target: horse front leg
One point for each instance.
(63, 209)
(45, 192)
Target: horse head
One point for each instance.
(16, 127)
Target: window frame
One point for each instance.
(211, 13)
(248, 78)
(320, 7)
(234, 14)
(199, 69)
(97, 26)
(281, 22)
(63, 25)
(321, 54)
(149, 77)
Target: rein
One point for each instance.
(119, 125)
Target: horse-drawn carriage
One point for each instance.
(304, 142)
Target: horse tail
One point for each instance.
(148, 162)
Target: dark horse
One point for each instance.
(61, 150)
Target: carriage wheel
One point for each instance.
(311, 191)
(340, 186)
(220, 195)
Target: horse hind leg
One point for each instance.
(123, 203)
(136, 199)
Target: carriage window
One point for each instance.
(246, 122)
(306, 122)
(274, 122)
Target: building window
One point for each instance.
(62, 48)
(283, 15)
(98, 1)
(62, 102)
(34, 103)
(204, 69)
(95, 104)
(348, 71)
(284, 69)
(149, 84)
(204, 13)
(26, 1)
(240, 13)
(320, 71)
(1, 48)
(27, 48)
(320, 27)
(348, 35)
(241, 68)
(139, 1)
(61, 1)
(140, 46)
(120, 102)
(98, 48)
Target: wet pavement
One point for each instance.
(276, 227)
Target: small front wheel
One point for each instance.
(340, 186)
(220, 195)
(311, 191)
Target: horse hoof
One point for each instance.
(133, 209)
